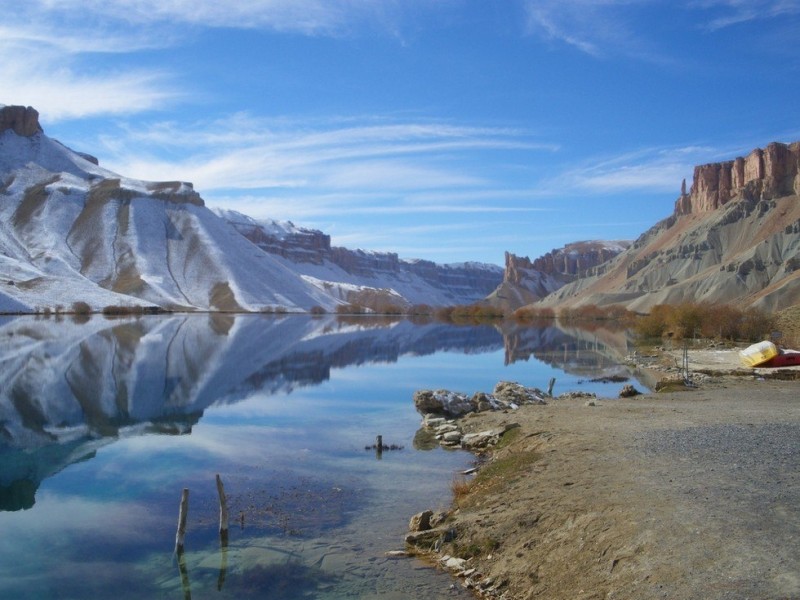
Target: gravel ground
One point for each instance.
(680, 495)
(737, 487)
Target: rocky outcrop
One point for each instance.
(452, 405)
(525, 281)
(579, 258)
(761, 175)
(733, 238)
(21, 120)
(298, 245)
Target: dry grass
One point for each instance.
(460, 487)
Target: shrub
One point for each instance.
(81, 308)
(534, 313)
(350, 309)
(420, 310)
(654, 324)
(718, 321)
(317, 310)
(475, 313)
(686, 319)
(755, 325)
(389, 309)
(592, 312)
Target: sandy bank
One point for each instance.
(692, 494)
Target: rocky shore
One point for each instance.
(689, 493)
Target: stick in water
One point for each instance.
(182, 521)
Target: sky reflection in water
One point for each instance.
(105, 423)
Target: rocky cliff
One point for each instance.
(73, 232)
(22, 120)
(414, 281)
(526, 281)
(734, 237)
(762, 175)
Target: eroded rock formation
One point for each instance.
(526, 280)
(23, 120)
(761, 175)
(733, 238)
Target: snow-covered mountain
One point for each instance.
(71, 231)
(74, 232)
(347, 273)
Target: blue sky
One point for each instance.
(449, 130)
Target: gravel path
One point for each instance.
(680, 495)
(735, 490)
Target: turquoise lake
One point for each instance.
(103, 423)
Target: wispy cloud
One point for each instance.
(49, 49)
(647, 170)
(307, 17)
(597, 28)
(727, 13)
(248, 153)
(605, 28)
(42, 64)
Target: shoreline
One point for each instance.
(679, 494)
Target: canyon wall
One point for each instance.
(761, 175)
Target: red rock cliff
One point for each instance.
(763, 174)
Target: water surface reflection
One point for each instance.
(281, 407)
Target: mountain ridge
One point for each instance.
(733, 238)
(526, 281)
(72, 231)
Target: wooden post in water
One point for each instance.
(184, 509)
(184, 572)
(223, 513)
(185, 586)
(223, 533)
(379, 446)
(550, 386)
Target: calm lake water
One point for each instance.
(103, 423)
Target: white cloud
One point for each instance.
(307, 17)
(595, 27)
(61, 93)
(647, 170)
(43, 65)
(733, 12)
(603, 28)
(246, 154)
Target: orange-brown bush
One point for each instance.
(469, 313)
(716, 321)
(592, 312)
(534, 313)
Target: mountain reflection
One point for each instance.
(68, 388)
